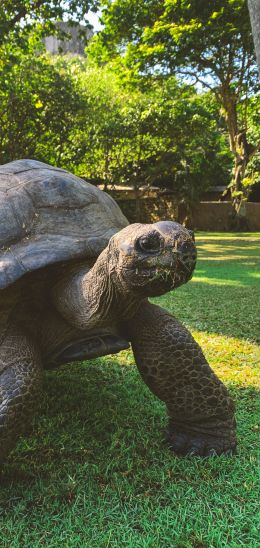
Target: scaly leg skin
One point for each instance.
(201, 413)
(20, 376)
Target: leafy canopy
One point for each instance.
(20, 17)
(204, 39)
(209, 43)
(65, 112)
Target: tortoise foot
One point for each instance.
(188, 440)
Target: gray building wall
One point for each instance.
(74, 45)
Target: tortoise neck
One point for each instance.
(110, 300)
(94, 297)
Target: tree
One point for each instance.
(204, 42)
(166, 135)
(20, 17)
(39, 109)
(64, 111)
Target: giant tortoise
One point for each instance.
(75, 280)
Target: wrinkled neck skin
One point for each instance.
(88, 298)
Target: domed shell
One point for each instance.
(48, 215)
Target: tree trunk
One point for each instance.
(242, 152)
(254, 10)
(106, 178)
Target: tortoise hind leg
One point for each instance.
(201, 413)
(20, 375)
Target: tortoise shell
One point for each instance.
(48, 215)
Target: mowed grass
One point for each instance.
(95, 471)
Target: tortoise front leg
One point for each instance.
(201, 413)
(19, 385)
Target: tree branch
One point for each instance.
(23, 12)
(197, 79)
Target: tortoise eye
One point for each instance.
(150, 243)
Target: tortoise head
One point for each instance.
(142, 260)
(151, 259)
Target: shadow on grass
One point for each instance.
(87, 410)
(99, 416)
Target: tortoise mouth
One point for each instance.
(158, 279)
(154, 273)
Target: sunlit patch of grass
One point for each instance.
(217, 281)
(95, 471)
(234, 360)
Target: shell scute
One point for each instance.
(48, 215)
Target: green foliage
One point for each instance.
(65, 111)
(203, 38)
(38, 107)
(95, 471)
(18, 18)
(131, 121)
(164, 135)
(207, 43)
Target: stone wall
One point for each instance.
(253, 215)
(149, 210)
(212, 216)
(219, 216)
(215, 216)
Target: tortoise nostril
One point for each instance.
(187, 248)
(187, 254)
(192, 234)
(150, 243)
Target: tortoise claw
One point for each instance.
(199, 444)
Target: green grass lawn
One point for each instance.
(95, 471)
